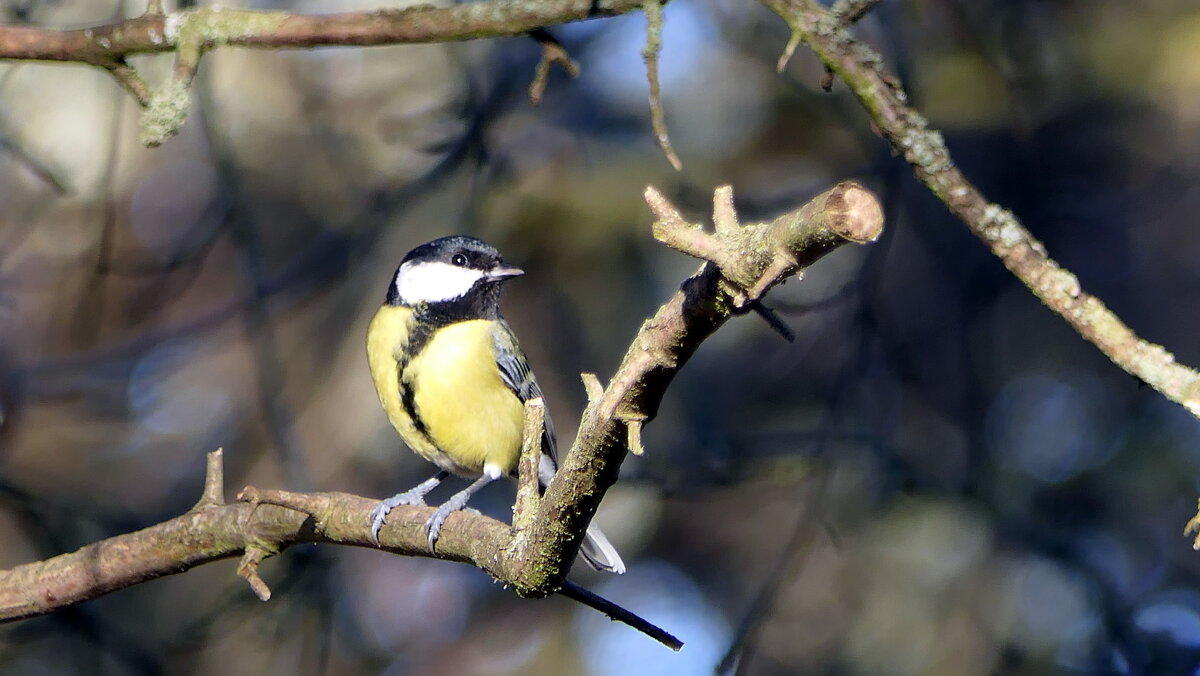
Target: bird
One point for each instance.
(453, 380)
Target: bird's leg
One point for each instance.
(433, 527)
(414, 496)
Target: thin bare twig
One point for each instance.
(788, 50)
(248, 569)
(658, 118)
(619, 614)
(130, 80)
(552, 52)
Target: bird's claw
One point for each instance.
(378, 517)
(433, 527)
(379, 514)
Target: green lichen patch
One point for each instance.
(164, 116)
(218, 25)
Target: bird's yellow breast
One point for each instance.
(463, 415)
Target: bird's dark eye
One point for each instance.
(459, 260)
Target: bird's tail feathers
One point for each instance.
(599, 552)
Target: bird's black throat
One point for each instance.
(481, 302)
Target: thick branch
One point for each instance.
(208, 532)
(909, 133)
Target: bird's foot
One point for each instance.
(433, 526)
(379, 514)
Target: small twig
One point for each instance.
(592, 386)
(248, 569)
(658, 119)
(193, 32)
(1193, 527)
(214, 482)
(827, 80)
(782, 264)
(634, 426)
(617, 613)
(773, 320)
(788, 51)
(525, 508)
(154, 8)
(167, 110)
(672, 229)
(725, 218)
(552, 52)
(129, 79)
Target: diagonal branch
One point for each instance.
(924, 148)
(846, 213)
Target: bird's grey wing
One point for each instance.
(515, 373)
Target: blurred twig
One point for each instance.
(552, 52)
(10, 142)
(658, 118)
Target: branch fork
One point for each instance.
(849, 212)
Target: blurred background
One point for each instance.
(937, 477)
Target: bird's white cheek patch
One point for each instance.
(433, 282)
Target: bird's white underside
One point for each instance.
(433, 281)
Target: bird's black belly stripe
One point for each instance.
(408, 400)
(425, 324)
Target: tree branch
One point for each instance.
(845, 213)
(157, 33)
(534, 560)
(192, 32)
(924, 148)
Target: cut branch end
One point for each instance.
(525, 509)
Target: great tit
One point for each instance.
(453, 380)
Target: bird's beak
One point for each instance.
(503, 272)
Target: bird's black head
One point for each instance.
(456, 273)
